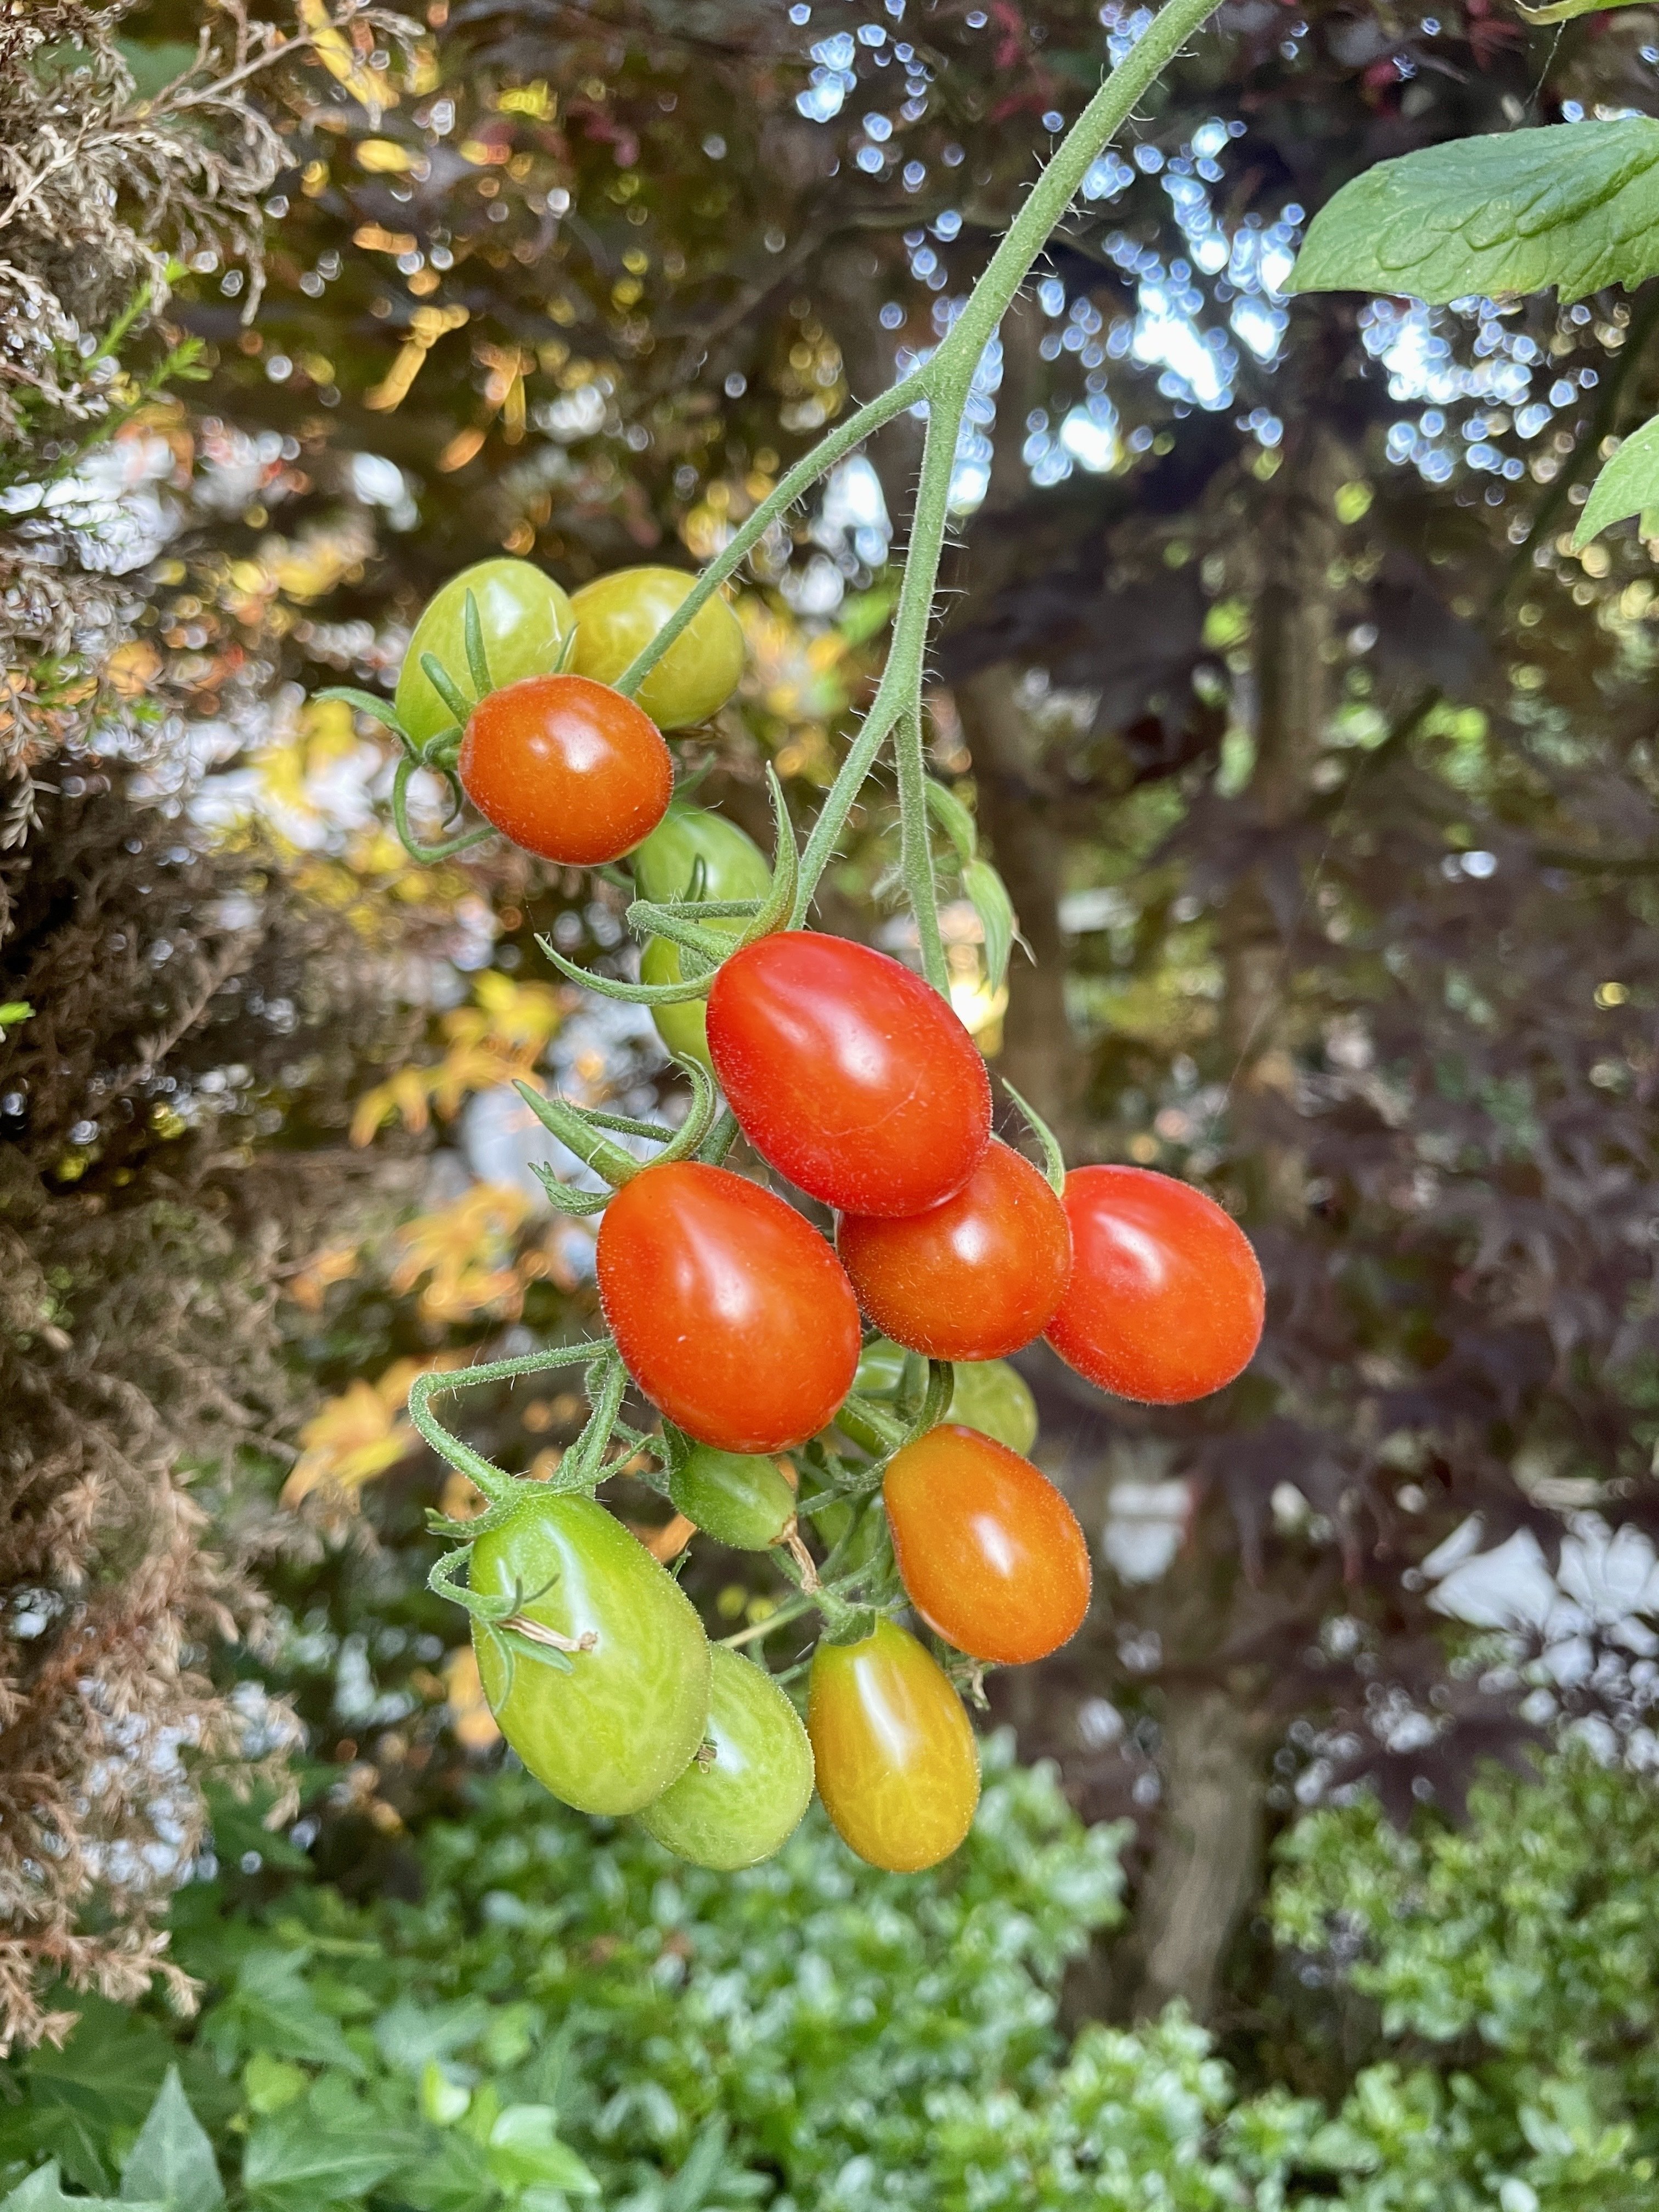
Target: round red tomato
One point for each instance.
(1165, 1300)
(990, 1552)
(566, 767)
(848, 1074)
(898, 1768)
(731, 1313)
(975, 1276)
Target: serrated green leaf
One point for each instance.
(172, 2159)
(991, 902)
(1628, 484)
(1575, 205)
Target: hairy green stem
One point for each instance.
(495, 1484)
(915, 847)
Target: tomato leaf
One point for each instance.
(995, 909)
(1575, 205)
(1629, 485)
(953, 817)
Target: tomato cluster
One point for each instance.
(742, 1324)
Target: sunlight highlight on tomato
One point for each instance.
(848, 1074)
(978, 1275)
(1166, 1300)
(990, 1551)
(898, 1768)
(731, 1313)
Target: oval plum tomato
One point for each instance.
(565, 769)
(898, 1768)
(1165, 1300)
(989, 1394)
(734, 867)
(990, 1551)
(742, 1795)
(731, 1311)
(609, 1733)
(848, 1074)
(619, 615)
(975, 1276)
(524, 617)
(739, 1498)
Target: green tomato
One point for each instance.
(526, 619)
(988, 1395)
(742, 1797)
(734, 867)
(995, 1399)
(736, 1498)
(618, 616)
(611, 1733)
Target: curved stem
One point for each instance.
(411, 844)
(492, 1480)
(798, 480)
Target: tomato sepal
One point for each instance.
(1054, 1159)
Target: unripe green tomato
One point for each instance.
(988, 1395)
(683, 1026)
(742, 1804)
(734, 867)
(616, 618)
(737, 1497)
(612, 1733)
(526, 619)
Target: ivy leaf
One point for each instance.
(525, 2151)
(991, 902)
(294, 2163)
(1573, 204)
(1629, 485)
(172, 2159)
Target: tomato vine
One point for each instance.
(724, 1307)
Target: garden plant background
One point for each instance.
(1318, 765)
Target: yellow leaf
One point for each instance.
(385, 157)
(470, 1717)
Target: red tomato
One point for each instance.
(848, 1074)
(1165, 1300)
(972, 1278)
(566, 767)
(898, 1766)
(990, 1552)
(731, 1313)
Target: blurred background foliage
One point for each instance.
(1320, 769)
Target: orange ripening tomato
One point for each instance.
(1166, 1299)
(566, 768)
(975, 1277)
(849, 1074)
(898, 1766)
(730, 1311)
(990, 1553)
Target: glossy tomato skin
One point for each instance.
(898, 1768)
(565, 769)
(611, 1734)
(976, 1276)
(735, 1808)
(731, 1313)
(524, 617)
(1165, 1301)
(734, 867)
(741, 1500)
(619, 615)
(849, 1074)
(989, 1394)
(990, 1553)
